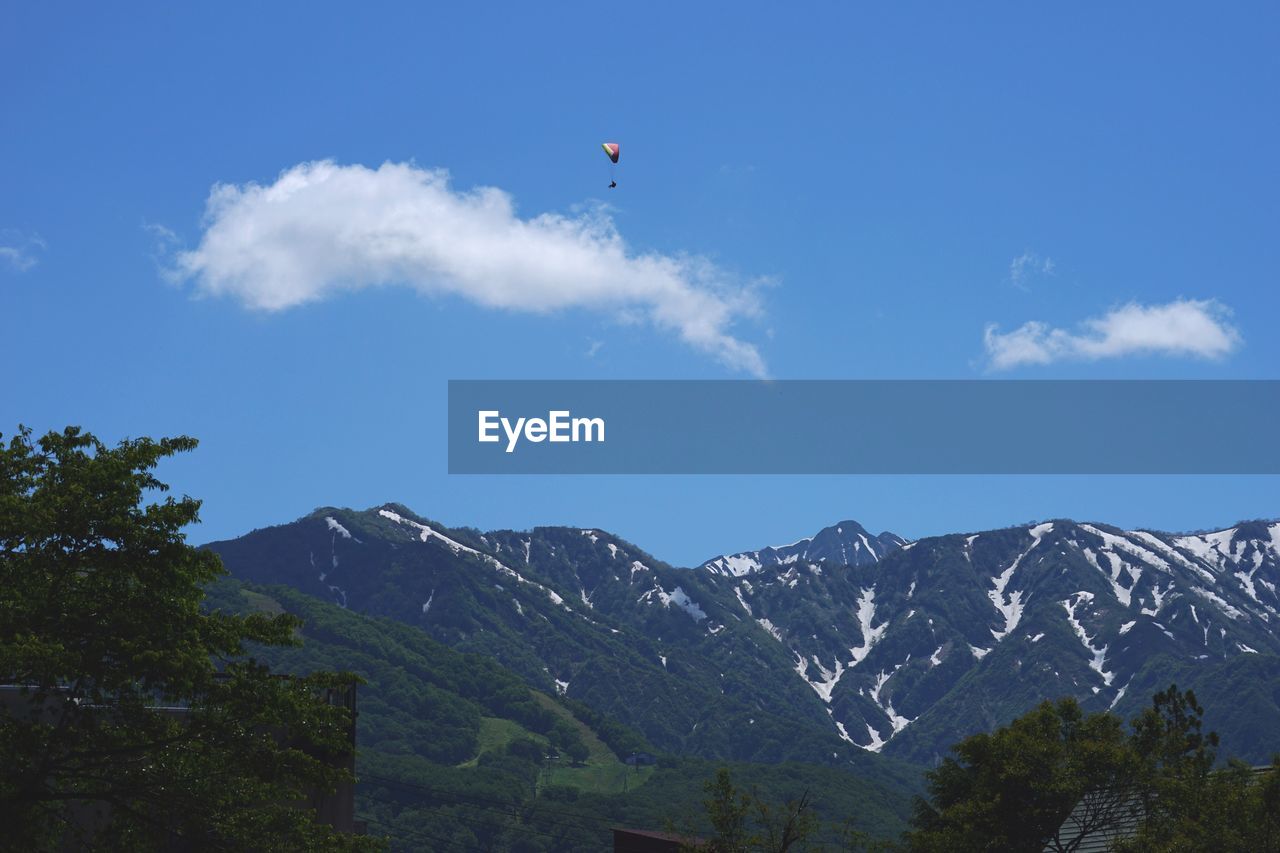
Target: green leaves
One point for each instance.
(140, 721)
(1056, 776)
(745, 821)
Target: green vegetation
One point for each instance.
(743, 821)
(1013, 789)
(728, 695)
(452, 747)
(494, 736)
(100, 623)
(592, 766)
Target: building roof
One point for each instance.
(1105, 816)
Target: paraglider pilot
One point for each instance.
(612, 150)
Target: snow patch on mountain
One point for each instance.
(426, 533)
(736, 565)
(870, 635)
(896, 720)
(771, 628)
(1012, 606)
(1114, 543)
(678, 597)
(1099, 655)
(850, 547)
(1163, 547)
(828, 680)
(1209, 595)
(1246, 578)
(1159, 597)
(1123, 595)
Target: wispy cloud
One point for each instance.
(20, 250)
(1184, 327)
(1027, 266)
(323, 228)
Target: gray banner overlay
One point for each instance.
(864, 427)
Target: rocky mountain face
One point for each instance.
(960, 633)
(578, 612)
(843, 544)
(833, 647)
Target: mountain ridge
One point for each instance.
(842, 639)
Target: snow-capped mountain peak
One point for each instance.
(847, 544)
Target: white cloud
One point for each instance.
(20, 251)
(1028, 265)
(1184, 327)
(323, 228)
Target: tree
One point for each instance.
(140, 721)
(727, 808)
(1012, 789)
(1054, 779)
(744, 821)
(1185, 802)
(578, 752)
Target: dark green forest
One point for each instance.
(452, 747)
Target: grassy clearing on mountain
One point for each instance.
(494, 736)
(603, 772)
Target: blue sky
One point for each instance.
(847, 191)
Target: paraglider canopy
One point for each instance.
(613, 149)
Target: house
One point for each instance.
(645, 841)
(1098, 821)
(1104, 817)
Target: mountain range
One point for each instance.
(845, 648)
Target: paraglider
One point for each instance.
(613, 150)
